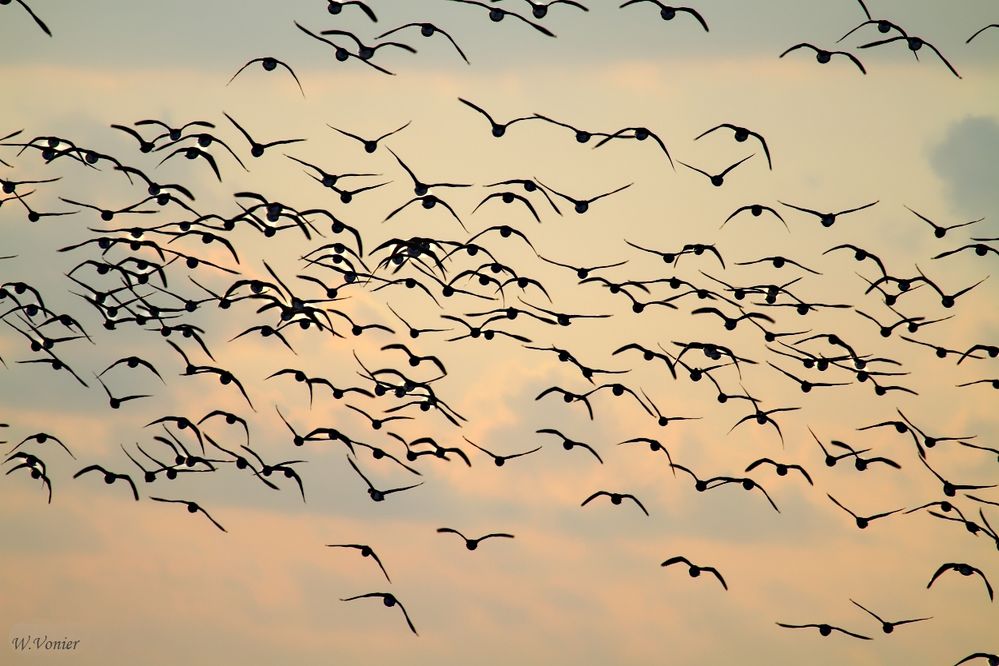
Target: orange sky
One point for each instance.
(147, 582)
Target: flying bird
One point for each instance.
(335, 7)
(741, 134)
(428, 30)
(192, 507)
(669, 12)
(824, 629)
(497, 14)
(540, 9)
(615, 499)
(389, 600)
(981, 30)
(914, 44)
(822, 56)
(886, 626)
(472, 544)
(110, 477)
(269, 63)
(695, 570)
(965, 570)
(34, 17)
(366, 551)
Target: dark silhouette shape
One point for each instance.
(824, 629)
(963, 569)
(389, 600)
(109, 477)
(269, 63)
(669, 12)
(914, 44)
(695, 570)
(886, 626)
(780, 468)
(862, 521)
(192, 507)
(472, 544)
(822, 56)
(34, 17)
(366, 551)
(500, 460)
(615, 499)
(717, 179)
(428, 30)
(496, 14)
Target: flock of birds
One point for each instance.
(152, 278)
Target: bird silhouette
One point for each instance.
(695, 570)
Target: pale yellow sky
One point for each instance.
(147, 582)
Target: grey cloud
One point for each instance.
(965, 161)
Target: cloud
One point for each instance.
(964, 160)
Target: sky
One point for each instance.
(146, 581)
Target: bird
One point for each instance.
(34, 17)
(805, 385)
(638, 134)
(365, 51)
(428, 30)
(35, 465)
(780, 468)
(914, 44)
(980, 31)
(669, 12)
(192, 507)
(498, 129)
(497, 14)
(828, 219)
(980, 249)
(884, 26)
(732, 322)
(389, 600)
(419, 187)
(615, 499)
(695, 570)
(269, 63)
(115, 402)
(862, 521)
(472, 544)
(948, 300)
(581, 135)
(500, 460)
(376, 494)
(42, 438)
(257, 149)
(569, 444)
(192, 153)
(756, 210)
(717, 179)
(335, 7)
(110, 477)
(991, 350)
(861, 463)
(741, 134)
(762, 417)
(886, 626)
(823, 56)
(583, 205)
(366, 551)
(965, 570)
(341, 54)
(370, 145)
(940, 231)
(540, 9)
(824, 629)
